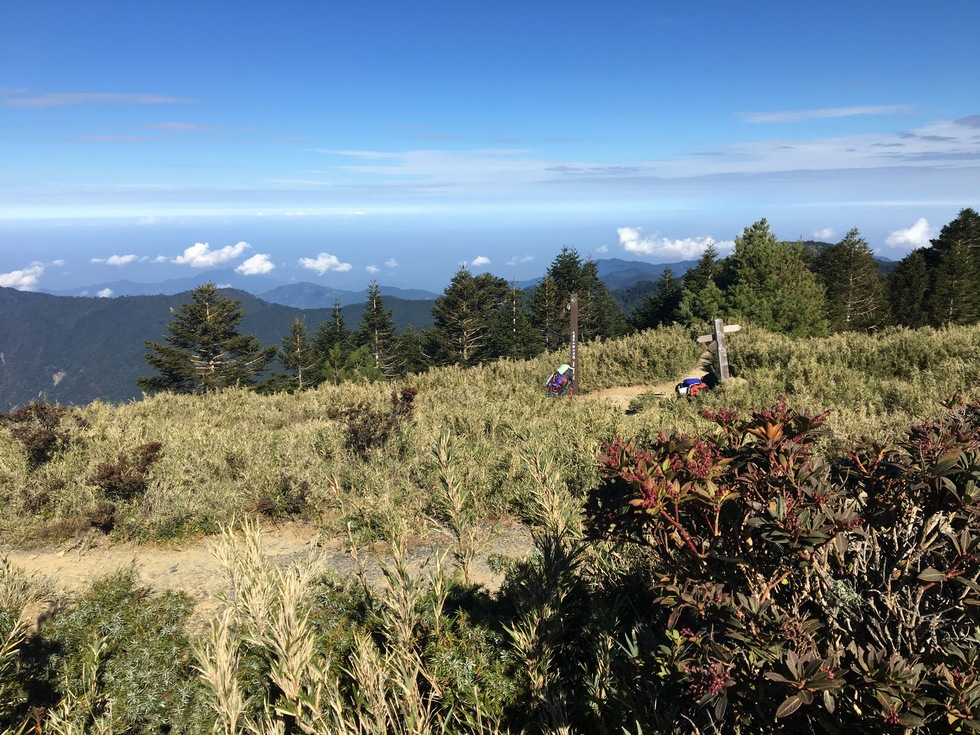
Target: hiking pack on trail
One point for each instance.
(690, 387)
(560, 382)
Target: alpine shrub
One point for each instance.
(791, 592)
(37, 426)
(127, 478)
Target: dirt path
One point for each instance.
(622, 396)
(192, 567)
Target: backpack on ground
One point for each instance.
(690, 387)
(560, 382)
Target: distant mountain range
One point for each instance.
(75, 347)
(300, 295)
(616, 274)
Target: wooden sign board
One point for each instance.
(716, 343)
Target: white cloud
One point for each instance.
(117, 260)
(200, 255)
(602, 249)
(161, 259)
(391, 263)
(151, 220)
(918, 235)
(256, 265)
(827, 234)
(24, 279)
(518, 259)
(684, 248)
(371, 268)
(58, 263)
(828, 112)
(104, 293)
(324, 262)
(480, 260)
(59, 99)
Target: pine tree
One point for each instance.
(771, 287)
(204, 350)
(464, 317)
(908, 288)
(297, 355)
(377, 332)
(853, 284)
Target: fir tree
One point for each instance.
(549, 301)
(701, 299)
(908, 287)
(512, 334)
(771, 287)
(377, 332)
(464, 317)
(204, 350)
(332, 333)
(954, 265)
(661, 306)
(297, 355)
(853, 284)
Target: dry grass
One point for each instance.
(228, 452)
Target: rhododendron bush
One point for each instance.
(787, 591)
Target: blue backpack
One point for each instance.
(558, 385)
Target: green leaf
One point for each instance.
(932, 575)
(829, 703)
(789, 706)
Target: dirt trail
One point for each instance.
(622, 396)
(192, 567)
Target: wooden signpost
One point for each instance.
(717, 343)
(573, 319)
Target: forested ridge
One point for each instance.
(789, 288)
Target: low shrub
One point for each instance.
(38, 427)
(790, 592)
(126, 479)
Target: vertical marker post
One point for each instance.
(723, 373)
(573, 318)
(719, 344)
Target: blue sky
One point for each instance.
(336, 142)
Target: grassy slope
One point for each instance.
(233, 452)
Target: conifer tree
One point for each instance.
(512, 334)
(908, 287)
(464, 317)
(701, 298)
(853, 284)
(330, 341)
(414, 349)
(548, 312)
(597, 310)
(954, 265)
(661, 306)
(377, 332)
(297, 356)
(770, 286)
(204, 350)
